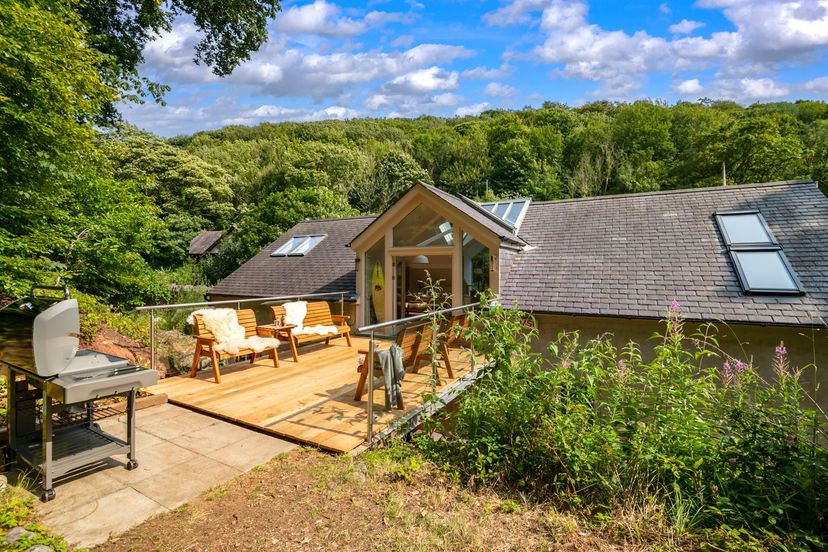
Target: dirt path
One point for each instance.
(307, 500)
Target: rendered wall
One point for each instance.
(748, 342)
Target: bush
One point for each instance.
(730, 457)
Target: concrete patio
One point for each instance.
(180, 453)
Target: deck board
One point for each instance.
(310, 401)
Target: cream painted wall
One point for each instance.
(749, 342)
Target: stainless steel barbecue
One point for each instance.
(53, 387)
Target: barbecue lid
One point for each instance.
(55, 337)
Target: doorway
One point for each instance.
(411, 275)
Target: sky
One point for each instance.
(337, 59)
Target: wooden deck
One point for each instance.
(310, 401)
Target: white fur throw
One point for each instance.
(229, 334)
(315, 330)
(295, 313)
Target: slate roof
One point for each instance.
(204, 242)
(326, 268)
(632, 255)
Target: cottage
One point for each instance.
(751, 258)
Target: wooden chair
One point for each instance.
(409, 340)
(206, 343)
(427, 336)
(319, 314)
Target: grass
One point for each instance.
(388, 499)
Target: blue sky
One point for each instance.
(329, 59)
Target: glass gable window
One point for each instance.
(760, 263)
(422, 227)
(298, 246)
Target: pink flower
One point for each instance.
(675, 306)
(622, 368)
(727, 372)
(780, 359)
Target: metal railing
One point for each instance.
(372, 328)
(238, 303)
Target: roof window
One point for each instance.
(298, 246)
(512, 211)
(760, 263)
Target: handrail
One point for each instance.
(153, 308)
(237, 301)
(371, 329)
(414, 318)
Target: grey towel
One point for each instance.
(393, 372)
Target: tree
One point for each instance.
(119, 29)
(274, 215)
(64, 219)
(394, 172)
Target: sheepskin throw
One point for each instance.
(295, 313)
(229, 334)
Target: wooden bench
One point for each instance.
(206, 343)
(319, 314)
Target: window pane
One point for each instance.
(514, 212)
(475, 269)
(305, 246)
(283, 250)
(765, 270)
(500, 209)
(422, 227)
(745, 229)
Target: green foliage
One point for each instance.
(121, 29)
(274, 215)
(17, 510)
(733, 459)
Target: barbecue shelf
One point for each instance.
(72, 447)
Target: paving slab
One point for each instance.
(180, 453)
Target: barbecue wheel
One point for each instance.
(132, 464)
(48, 494)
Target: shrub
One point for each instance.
(730, 457)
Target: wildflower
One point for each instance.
(739, 367)
(780, 359)
(727, 372)
(622, 368)
(565, 364)
(675, 306)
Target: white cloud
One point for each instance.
(403, 41)
(767, 35)
(517, 11)
(664, 8)
(474, 109)
(685, 26)
(325, 19)
(499, 90)
(423, 81)
(688, 87)
(403, 105)
(762, 89)
(278, 69)
(819, 85)
(486, 73)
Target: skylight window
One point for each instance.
(298, 246)
(511, 211)
(760, 263)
